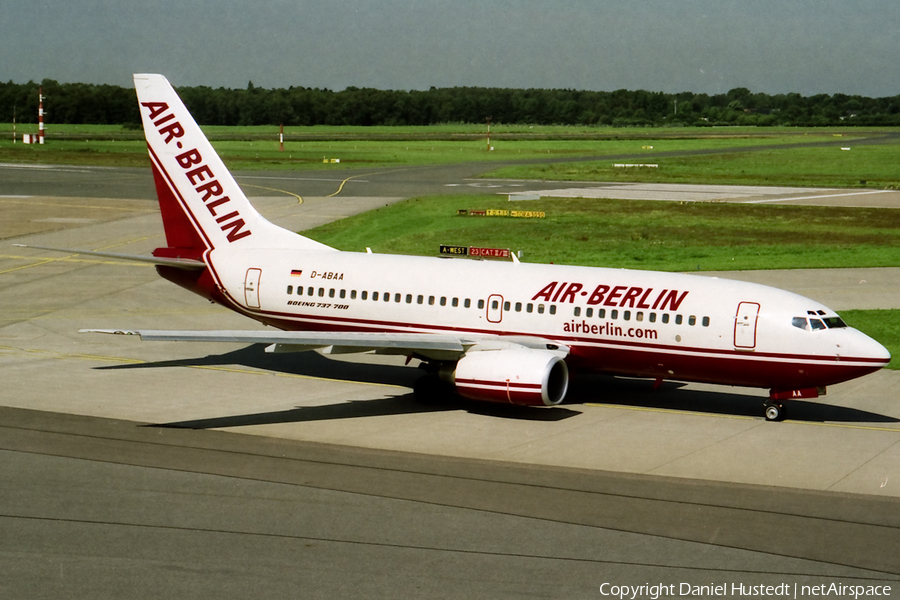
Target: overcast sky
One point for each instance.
(712, 46)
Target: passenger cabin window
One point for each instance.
(290, 290)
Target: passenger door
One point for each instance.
(745, 325)
(251, 287)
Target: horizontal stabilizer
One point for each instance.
(178, 263)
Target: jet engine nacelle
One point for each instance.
(515, 376)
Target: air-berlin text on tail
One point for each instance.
(199, 175)
(612, 295)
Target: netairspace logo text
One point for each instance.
(735, 590)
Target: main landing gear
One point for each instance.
(431, 391)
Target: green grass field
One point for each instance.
(876, 165)
(257, 148)
(666, 236)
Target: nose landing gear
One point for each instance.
(774, 407)
(774, 411)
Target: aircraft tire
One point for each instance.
(774, 411)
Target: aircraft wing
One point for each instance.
(433, 346)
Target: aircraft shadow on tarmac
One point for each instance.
(304, 364)
(588, 389)
(672, 396)
(313, 364)
(396, 405)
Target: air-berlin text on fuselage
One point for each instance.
(612, 295)
(200, 175)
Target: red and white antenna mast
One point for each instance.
(40, 115)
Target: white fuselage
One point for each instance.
(618, 321)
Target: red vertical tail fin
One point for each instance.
(202, 206)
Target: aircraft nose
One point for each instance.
(865, 347)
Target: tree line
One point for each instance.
(79, 103)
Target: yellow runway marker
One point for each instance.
(37, 264)
(73, 257)
(85, 206)
(740, 417)
(297, 196)
(341, 187)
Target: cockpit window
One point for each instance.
(817, 324)
(835, 322)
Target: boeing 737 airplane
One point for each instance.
(496, 331)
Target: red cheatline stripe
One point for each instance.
(349, 324)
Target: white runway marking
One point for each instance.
(673, 191)
(822, 196)
(694, 193)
